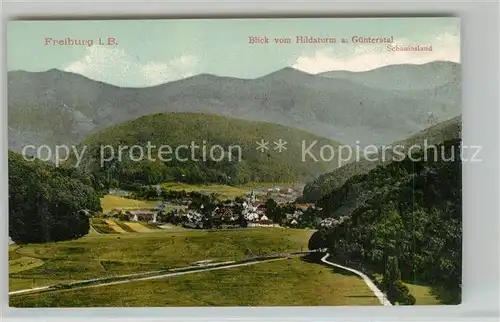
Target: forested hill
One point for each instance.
(48, 203)
(436, 134)
(242, 160)
(403, 220)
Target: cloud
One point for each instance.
(371, 56)
(115, 66)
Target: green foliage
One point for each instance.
(48, 203)
(123, 216)
(406, 223)
(318, 240)
(237, 138)
(274, 212)
(399, 293)
(334, 180)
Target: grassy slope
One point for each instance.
(423, 294)
(100, 226)
(23, 264)
(113, 225)
(224, 190)
(282, 282)
(109, 203)
(138, 227)
(102, 255)
(124, 226)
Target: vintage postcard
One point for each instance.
(235, 162)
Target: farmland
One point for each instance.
(224, 191)
(109, 202)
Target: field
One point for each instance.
(100, 226)
(23, 264)
(113, 224)
(282, 282)
(262, 185)
(224, 191)
(272, 283)
(138, 227)
(109, 202)
(103, 255)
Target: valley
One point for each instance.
(250, 224)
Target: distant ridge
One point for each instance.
(58, 107)
(287, 72)
(403, 76)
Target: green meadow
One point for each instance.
(290, 282)
(295, 282)
(95, 256)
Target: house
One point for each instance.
(263, 221)
(193, 219)
(305, 206)
(141, 215)
(295, 215)
(261, 209)
(251, 216)
(224, 213)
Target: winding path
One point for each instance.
(378, 293)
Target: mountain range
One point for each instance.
(374, 107)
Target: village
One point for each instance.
(273, 207)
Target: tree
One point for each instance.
(318, 240)
(274, 211)
(404, 222)
(45, 204)
(242, 221)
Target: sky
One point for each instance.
(151, 52)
